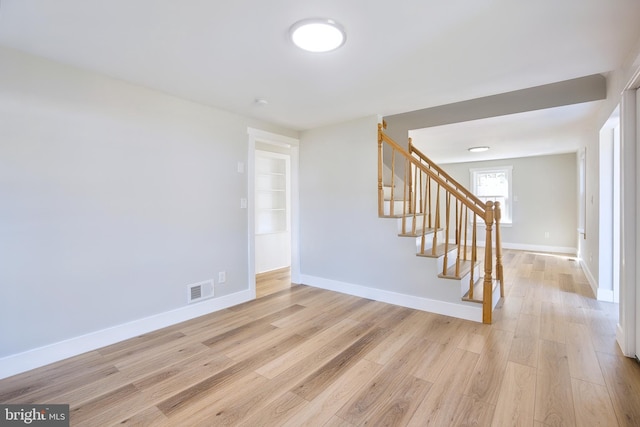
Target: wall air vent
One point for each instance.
(199, 291)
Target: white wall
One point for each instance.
(545, 188)
(113, 198)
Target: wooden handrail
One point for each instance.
(440, 171)
(478, 207)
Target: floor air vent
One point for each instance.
(199, 291)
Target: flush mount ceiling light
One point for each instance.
(317, 35)
(478, 149)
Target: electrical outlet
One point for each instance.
(546, 234)
(222, 277)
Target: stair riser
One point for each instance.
(428, 241)
(451, 259)
(387, 193)
(409, 222)
(397, 207)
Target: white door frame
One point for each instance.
(628, 330)
(293, 144)
(609, 212)
(637, 222)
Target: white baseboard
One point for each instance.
(533, 248)
(541, 248)
(461, 311)
(21, 362)
(605, 295)
(628, 349)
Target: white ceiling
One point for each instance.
(399, 56)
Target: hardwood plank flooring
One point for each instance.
(300, 356)
(272, 281)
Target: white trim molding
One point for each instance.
(592, 280)
(463, 310)
(273, 138)
(564, 250)
(560, 250)
(605, 295)
(629, 306)
(293, 144)
(31, 359)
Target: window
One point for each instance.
(494, 184)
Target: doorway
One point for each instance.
(273, 207)
(272, 221)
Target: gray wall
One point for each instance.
(112, 199)
(546, 190)
(341, 237)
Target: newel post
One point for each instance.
(487, 286)
(499, 271)
(380, 188)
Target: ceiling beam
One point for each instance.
(568, 92)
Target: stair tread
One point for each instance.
(406, 215)
(465, 267)
(478, 290)
(418, 232)
(400, 215)
(440, 250)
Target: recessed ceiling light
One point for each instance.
(478, 149)
(317, 35)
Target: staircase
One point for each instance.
(445, 219)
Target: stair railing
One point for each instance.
(437, 204)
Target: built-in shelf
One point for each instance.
(271, 194)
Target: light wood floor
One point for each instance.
(305, 356)
(273, 281)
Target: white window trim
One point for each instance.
(509, 207)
